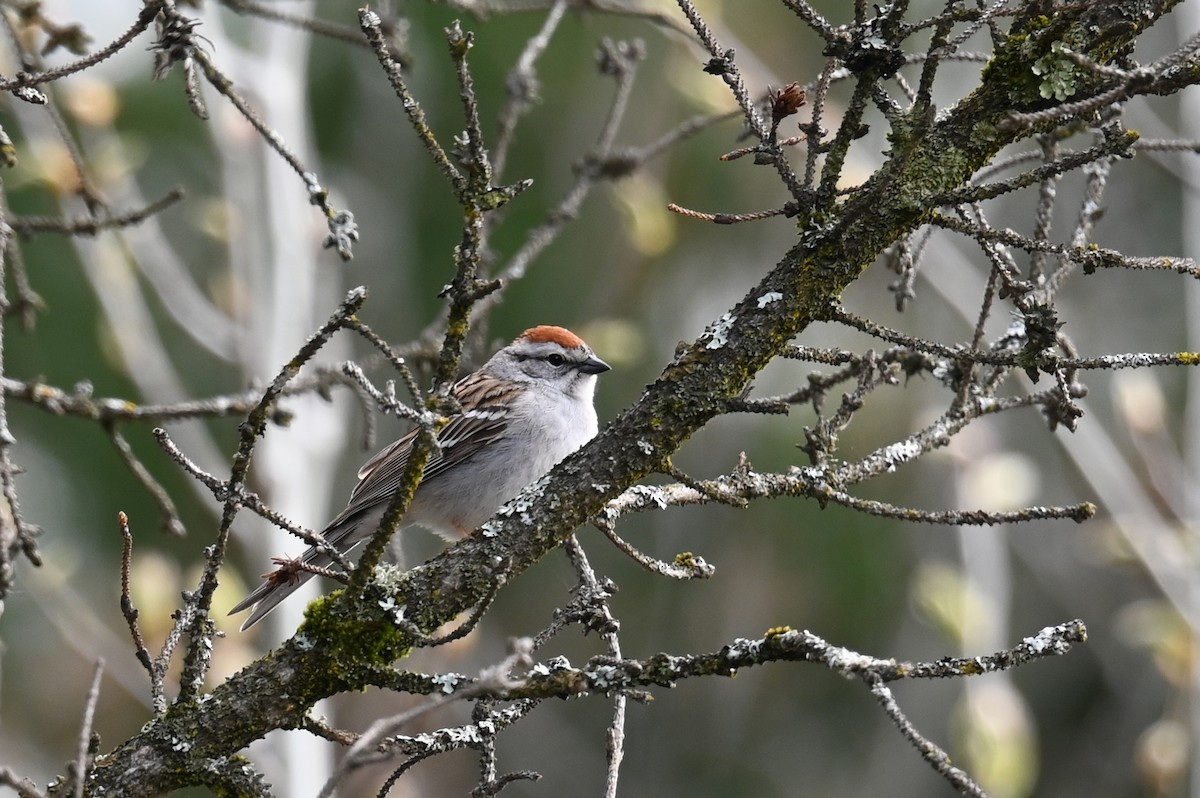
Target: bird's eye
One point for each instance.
(555, 359)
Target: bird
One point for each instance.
(524, 410)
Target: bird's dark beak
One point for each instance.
(594, 365)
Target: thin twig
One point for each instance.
(90, 226)
(467, 626)
(372, 26)
(781, 644)
(722, 63)
(83, 756)
(602, 163)
(685, 566)
(814, 19)
(127, 608)
(615, 735)
(32, 63)
(730, 218)
(1112, 146)
(224, 492)
(342, 229)
(29, 79)
(170, 515)
(937, 758)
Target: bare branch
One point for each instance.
(24, 787)
(127, 609)
(938, 759)
(90, 226)
(782, 644)
(87, 741)
(27, 80)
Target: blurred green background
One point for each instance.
(1116, 717)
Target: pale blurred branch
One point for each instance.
(604, 161)
(24, 787)
(394, 27)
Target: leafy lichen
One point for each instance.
(1057, 73)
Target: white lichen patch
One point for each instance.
(651, 494)
(768, 298)
(446, 682)
(847, 662)
(741, 647)
(899, 453)
(559, 663)
(1046, 640)
(718, 334)
(604, 677)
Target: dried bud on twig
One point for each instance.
(785, 102)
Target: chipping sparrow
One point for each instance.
(525, 410)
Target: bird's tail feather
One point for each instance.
(276, 587)
(267, 597)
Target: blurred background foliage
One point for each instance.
(1115, 717)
